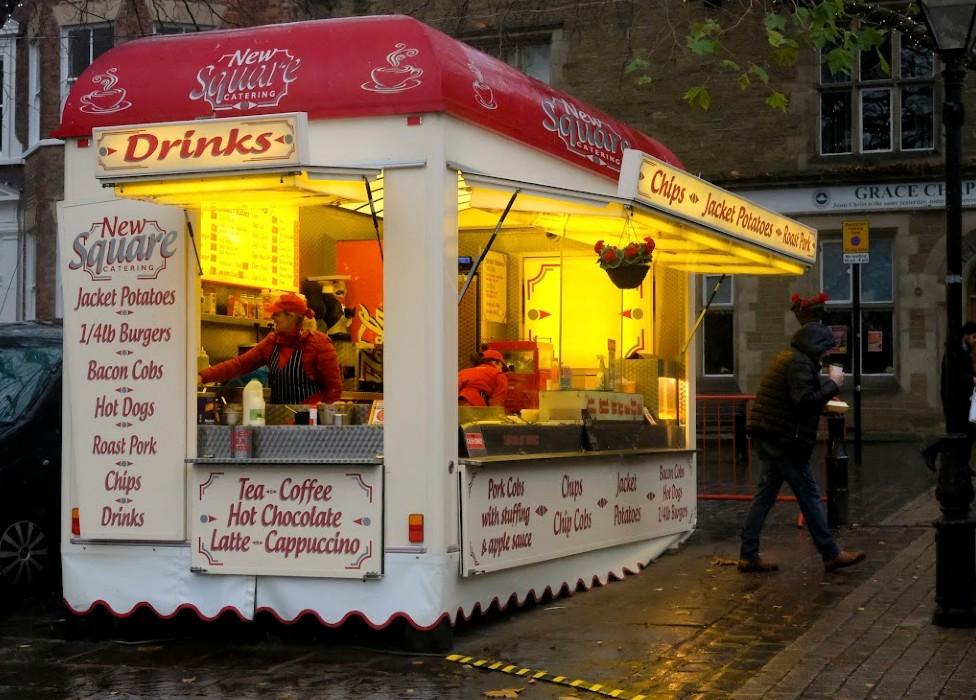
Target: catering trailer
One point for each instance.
(430, 201)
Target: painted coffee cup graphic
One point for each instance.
(394, 77)
(108, 99)
(104, 100)
(483, 94)
(397, 75)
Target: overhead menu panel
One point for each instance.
(256, 247)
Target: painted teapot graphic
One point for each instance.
(397, 76)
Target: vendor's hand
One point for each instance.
(838, 380)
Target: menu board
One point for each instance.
(254, 246)
(123, 267)
(512, 517)
(324, 521)
(494, 287)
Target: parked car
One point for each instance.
(30, 453)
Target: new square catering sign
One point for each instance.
(200, 146)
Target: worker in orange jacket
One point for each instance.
(485, 384)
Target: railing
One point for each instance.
(724, 450)
(724, 455)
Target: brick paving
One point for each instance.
(879, 641)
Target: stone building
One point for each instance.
(862, 148)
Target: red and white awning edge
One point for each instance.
(342, 68)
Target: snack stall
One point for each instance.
(430, 202)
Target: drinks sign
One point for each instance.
(198, 146)
(672, 190)
(322, 521)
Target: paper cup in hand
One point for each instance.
(836, 372)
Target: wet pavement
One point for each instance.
(689, 626)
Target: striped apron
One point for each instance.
(289, 383)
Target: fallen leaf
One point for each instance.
(503, 693)
(417, 663)
(189, 679)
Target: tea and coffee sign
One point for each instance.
(666, 188)
(197, 146)
(123, 272)
(517, 516)
(267, 520)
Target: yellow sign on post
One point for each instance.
(856, 243)
(856, 237)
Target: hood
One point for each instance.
(813, 340)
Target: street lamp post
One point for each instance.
(950, 24)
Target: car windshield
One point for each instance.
(25, 373)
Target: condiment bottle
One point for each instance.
(203, 359)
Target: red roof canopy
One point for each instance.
(356, 67)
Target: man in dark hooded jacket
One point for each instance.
(783, 426)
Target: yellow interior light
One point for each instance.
(667, 398)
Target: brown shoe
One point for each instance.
(843, 559)
(758, 565)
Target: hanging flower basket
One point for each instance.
(627, 267)
(809, 310)
(628, 276)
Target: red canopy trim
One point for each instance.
(357, 67)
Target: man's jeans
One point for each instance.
(779, 465)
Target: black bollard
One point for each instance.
(836, 471)
(955, 537)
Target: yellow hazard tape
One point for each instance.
(516, 670)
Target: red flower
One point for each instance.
(649, 244)
(599, 246)
(816, 300)
(610, 256)
(631, 250)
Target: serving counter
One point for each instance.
(308, 502)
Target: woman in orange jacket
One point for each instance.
(302, 365)
(485, 384)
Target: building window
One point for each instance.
(79, 47)
(529, 53)
(9, 146)
(876, 350)
(874, 110)
(178, 28)
(33, 94)
(718, 338)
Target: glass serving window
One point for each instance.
(599, 339)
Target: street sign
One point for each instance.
(856, 238)
(856, 258)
